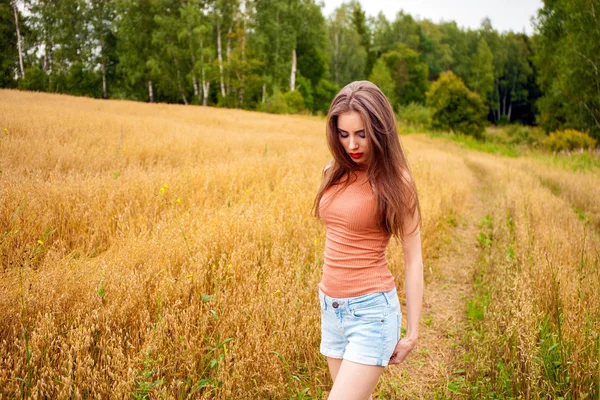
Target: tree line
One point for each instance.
(286, 56)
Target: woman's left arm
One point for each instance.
(413, 282)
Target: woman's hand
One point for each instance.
(404, 346)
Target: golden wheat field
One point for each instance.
(164, 251)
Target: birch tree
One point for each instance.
(171, 62)
(101, 15)
(19, 45)
(135, 24)
(348, 57)
(224, 14)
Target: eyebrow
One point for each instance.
(358, 131)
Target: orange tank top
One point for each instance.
(354, 259)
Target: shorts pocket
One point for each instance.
(374, 310)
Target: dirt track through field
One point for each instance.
(436, 361)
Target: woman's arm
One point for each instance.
(413, 283)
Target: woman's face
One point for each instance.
(353, 136)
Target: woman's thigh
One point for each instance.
(334, 366)
(354, 381)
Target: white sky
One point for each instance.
(505, 15)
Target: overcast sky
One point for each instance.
(505, 15)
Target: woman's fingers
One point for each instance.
(401, 351)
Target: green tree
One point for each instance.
(405, 30)
(382, 77)
(170, 63)
(461, 45)
(8, 45)
(513, 85)
(195, 34)
(359, 22)
(454, 107)
(410, 75)
(101, 14)
(312, 43)
(348, 56)
(135, 47)
(568, 61)
(276, 39)
(482, 71)
(324, 93)
(435, 52)
(383, 36)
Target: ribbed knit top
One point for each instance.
(354, 259)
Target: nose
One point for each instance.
(353, 144)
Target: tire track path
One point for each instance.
(435, 363)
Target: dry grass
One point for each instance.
(169, 251)
(118, 218)
(539, 335)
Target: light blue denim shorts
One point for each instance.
(363, 329)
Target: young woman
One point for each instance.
(367, 195)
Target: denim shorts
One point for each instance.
(363, 329)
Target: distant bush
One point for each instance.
(503, 120)
(81, 81)
(290, 102)
(275, 103)
(414, 114)
(569, 139)
(527, 135)
(35, 79)
(454, 107)
(294, 101)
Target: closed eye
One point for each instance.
(344, 134)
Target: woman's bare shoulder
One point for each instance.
(328, 165)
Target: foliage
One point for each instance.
(454, 107)
(290, 102)
(324, 93)
(482, 72)
(80, 81)
(294, 102)
(380, 76)
(515, 135)
(526, 135)
(360, 24)
(348, 57)
(568, 61)
(569, 139)
(305, 88)
(228, 53)
(8, 45)
(415, 114)
(276, 103)
(35, 79)
(410, 75)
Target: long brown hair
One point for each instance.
(387, 168)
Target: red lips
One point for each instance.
(356, 155)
